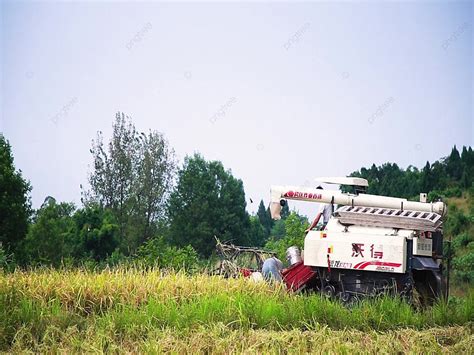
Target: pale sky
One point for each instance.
(279, 92)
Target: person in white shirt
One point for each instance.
(325, 211)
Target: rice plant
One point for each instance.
(137, 309)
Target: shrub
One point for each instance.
(464, 267)
(462, 240)
(6, 260)
(117, 258)
(156, 252)
(456, 221)
(295, 228)
(453, 192)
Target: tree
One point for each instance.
(295, 226)
(258, 234)
(265, 218)
(467, 158)
(454, 164)
(95, 233)
(157, 252)
(15, 205)
(132, 177)
(278, 230)
(285, 211)
(49, 239)
(426, 178)
(207, 201)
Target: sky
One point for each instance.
(280, 92)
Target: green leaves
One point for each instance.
(132, 176)
(49, 238)
(157, 252)
(294, 231)
(15, 205)
(208, 201)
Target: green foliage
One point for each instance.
(15, 205)
(49, 238)
(61, 236)
(462, 240)
(456, 221)
(132, 178)
(95, 233)
(459, 226)
(436, 195)
(117, 258)
(285, 211)
(6, 260)
(208, 201)
(278, 230)
(454, 166)
(295, 227)
(265, 218)
(444, 178)
(257, 234)
(157, 252)
(464, 267)
(454, 191)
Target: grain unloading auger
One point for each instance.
(370, 245)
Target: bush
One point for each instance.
(464, 267)
(435, 195)
(6, 260)
(49, 238)
(295, 227)
(156, 252)
(95, 233)
(462, 240)
(453, 192)
(117, 258)
(456, 221)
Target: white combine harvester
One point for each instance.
(371, 244)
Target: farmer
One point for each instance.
(271, 269)
(325, 211)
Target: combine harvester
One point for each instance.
(371, 245)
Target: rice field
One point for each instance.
(135, 310)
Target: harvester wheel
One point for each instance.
(329, 291)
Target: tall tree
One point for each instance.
(132, 176)
(265, 218)
(257, 233)
(426, 178)
(155, 174)
(15, 205)
(454, 164)
(208, 201)
(467, 158)
(285, 211)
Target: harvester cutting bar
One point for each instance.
(387, 217)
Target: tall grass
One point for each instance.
(43, 306)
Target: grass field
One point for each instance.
(138, 310)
